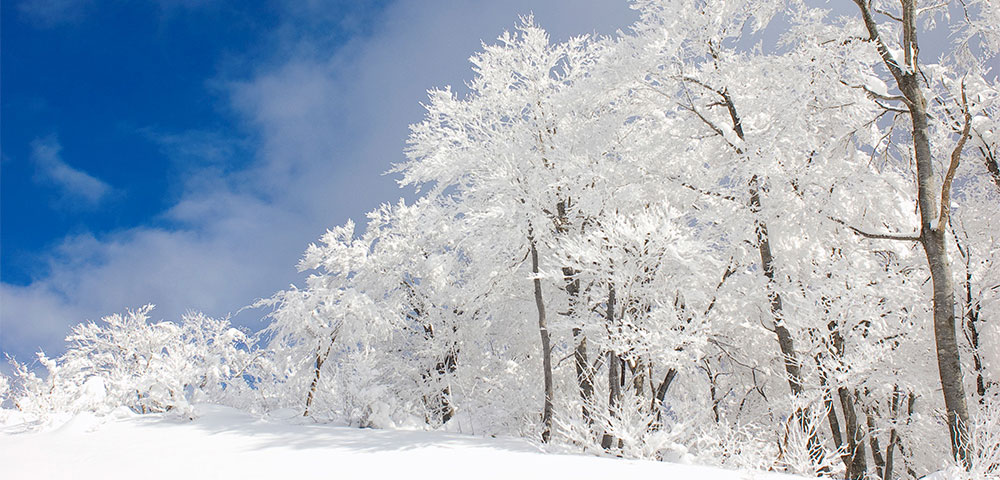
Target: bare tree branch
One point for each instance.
(956, 156)
(875, 95)
(876, 236)
(873, 36)
(704, 192)
(886, 13)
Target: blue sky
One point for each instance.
(184, 152)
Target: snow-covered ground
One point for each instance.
(226, 443)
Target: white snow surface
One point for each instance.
(223, 443)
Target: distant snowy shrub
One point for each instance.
(4, 389)
(660, 243)
(148, 367)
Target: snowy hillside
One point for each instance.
(226, 443)
(655, 245)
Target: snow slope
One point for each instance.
(226, 443)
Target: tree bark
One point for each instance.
(439, 404)
(320, 359)
(543, 331)
(584, 377)
(785, 341)
(876, 449)
(446, 367)
(831, 415)
(855, 458)
(661, 393)
(614, 372)
(992, 165)
(972, 310)
(932, 227)
(949, 364)
(893, 434)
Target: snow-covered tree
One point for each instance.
(148, 367)
(668, 243)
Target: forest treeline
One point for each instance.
(669, 243)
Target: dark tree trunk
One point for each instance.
(972, 310)
(712, 390)
(890, 451)
(933, 204)
(584, 377)
(949, 364)
(876, 449)
(320, 359)
(661, 394)
(444, 368)
(785, 341)
(614, 372)
(543, 331)
(992, 165)
(856, 465)
(831, 414)
(854, 459)
(440, 404)
(638, 377)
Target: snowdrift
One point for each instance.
(227, 443)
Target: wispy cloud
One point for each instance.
(197, 147)
(327, 124)
(75, 185)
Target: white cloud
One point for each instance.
(75, 185)
(194, 146)
(329, 123)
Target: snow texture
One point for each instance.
(226, 443)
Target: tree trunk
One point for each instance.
(584, 378)
(785, 341)
(890, 450)
(831, 414)
(911, 400)
(446, 367)
(932, 237)
(614, 394)
(614, 372)
(992, 165)
(661, 393)
(543, 331)
(949, 364)
(876, 449)
(639, 377)
(855, 458)
(320, 359)
(933, 221)
(712, 390)
(972, 310)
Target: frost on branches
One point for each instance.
(668, 244)
(125, 361)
